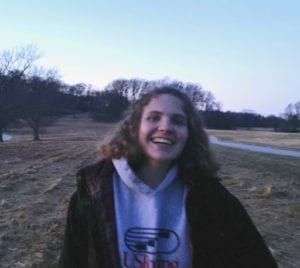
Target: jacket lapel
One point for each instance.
(104, 230)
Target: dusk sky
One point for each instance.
(247, 53)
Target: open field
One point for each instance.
(38, 178)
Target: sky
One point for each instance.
(247, 53)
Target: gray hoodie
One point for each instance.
(151, 223)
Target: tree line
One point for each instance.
(33, 95)
(288, 122)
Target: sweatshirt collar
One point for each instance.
(127, 175)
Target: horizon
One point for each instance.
(246, 54)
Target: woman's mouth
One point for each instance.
(165, 141)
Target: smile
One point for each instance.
(165, 141)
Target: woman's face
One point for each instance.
(163, 129)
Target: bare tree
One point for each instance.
(209, 102)
(18, 59)
(135, 88)
(196, 94)
(204, 100)
(14, 64)
(292, 116)
(73, 96)
(119, 85)
(297, 109)
(108, 106)
(43, 99)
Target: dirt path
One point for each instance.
(268, 138)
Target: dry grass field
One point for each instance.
(38, 178)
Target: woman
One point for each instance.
(155, 201)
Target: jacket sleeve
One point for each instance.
(248, 247)
(75, 249)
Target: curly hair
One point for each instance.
(196, 154)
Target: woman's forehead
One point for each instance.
(165, 103)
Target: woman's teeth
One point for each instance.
(162, 141)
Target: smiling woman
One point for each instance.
(162, 136)
(155, 199)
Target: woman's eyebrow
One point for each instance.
(183, 116)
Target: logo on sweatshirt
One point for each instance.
(151, 240)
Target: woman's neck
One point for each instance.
(152, 175)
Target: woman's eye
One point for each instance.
(153, 118)
(179, 121)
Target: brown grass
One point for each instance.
(37, 179)
(269, 187)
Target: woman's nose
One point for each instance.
(165, 125)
